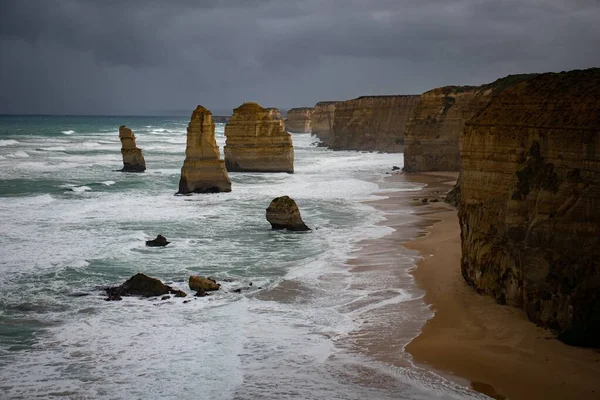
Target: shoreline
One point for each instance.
(495, 348)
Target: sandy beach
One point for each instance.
(496, 348)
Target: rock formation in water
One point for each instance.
(160, 241)
(143, 286)
(322, 120)
(133, 159)
(203, 171)
(199, 283)
(283, 213)
(372, 123)
(299, 120)
(256, 142)
(530, 202)
(431, 139)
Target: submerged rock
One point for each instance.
(160, 241)
(201, 284)
(133, 159)
(143, 286)
(283, 213)
(203, 171)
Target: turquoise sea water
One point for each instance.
(72, 224)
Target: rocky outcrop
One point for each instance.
(274, 113)
(283, 213)
(203, 171)
(431, 139)
(299, 120)
(143, 286)
(160, 241)
(256, 142)
(530, 201)
(371, 123)
(199, 283)
(322, 119)
(133, 159)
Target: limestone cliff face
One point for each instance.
(372, 123)
(530, 202)
(256, 142)
(202, 171)
(299, 120)
(322, 119)
(431, 139)
(133, 159)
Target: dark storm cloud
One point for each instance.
(148, 56)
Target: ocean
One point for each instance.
(71, 224)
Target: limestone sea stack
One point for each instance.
(530, 202)
(432, 135)
(322, 118)
(283, 213)
(203, 171)
(372, 123)
(133, 159)
(274, 113)
(257, 142)
(299, 120)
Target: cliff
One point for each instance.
(372, 123)
(431, 139)
(530, 202)
(202, 171)
(322, 119)
(133, 159)
(256, 142)
(299, 120)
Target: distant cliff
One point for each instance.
(431, 139)
(322, 119)
(372, 123)
(530, 202)
(299, 120)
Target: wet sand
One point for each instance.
(495, 347)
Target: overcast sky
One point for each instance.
(158, 57)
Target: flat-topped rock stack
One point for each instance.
(299, 120)
(203, 171)
(257, 142)
(133, 159)
(530, 202)
(322, 119)
(432, 134)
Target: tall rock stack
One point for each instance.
(322, 120)
(372, 123)
(203, 171)
(133, 159)
(299, 120)
(432, 135)
(530, 202)
(256, 142)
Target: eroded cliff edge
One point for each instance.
(431, 139)
(322, 119)
(299, 120)
(372, 123)
(530, 202)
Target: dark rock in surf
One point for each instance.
(160, 241)
(283, 213)
(143, 286)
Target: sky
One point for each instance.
(164, 57)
